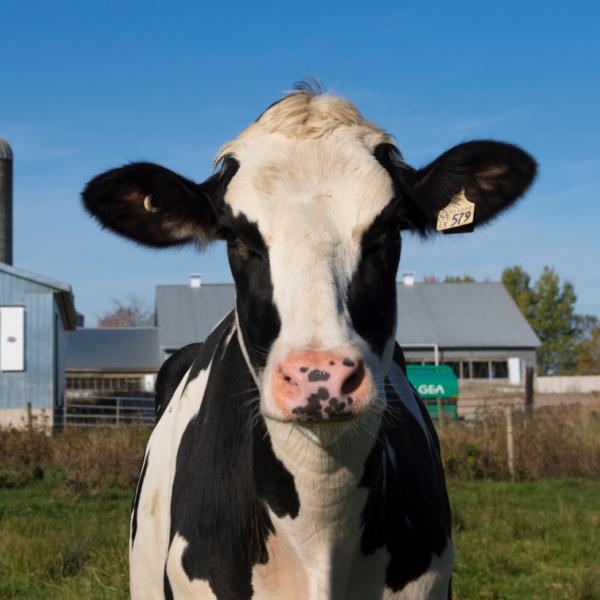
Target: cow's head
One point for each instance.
(311, 200)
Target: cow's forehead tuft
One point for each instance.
(303, 116)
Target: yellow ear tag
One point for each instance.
(458, 213)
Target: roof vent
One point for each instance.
(196, 280)
(408, 278)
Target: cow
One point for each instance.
(291, 458)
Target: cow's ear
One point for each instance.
(153, 205)
(490, 175)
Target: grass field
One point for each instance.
(528, 540)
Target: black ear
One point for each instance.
(493, 175)
(153, 205)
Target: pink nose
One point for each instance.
(317, 386)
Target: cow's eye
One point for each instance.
(242, 249)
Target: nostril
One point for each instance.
(354, 380)
(287, 378)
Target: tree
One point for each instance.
(588, 354)
(131, 313)
(517, 282)
(549, 308)
(459, 279)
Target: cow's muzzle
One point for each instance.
(320, 386)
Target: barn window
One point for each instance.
(499, 369)
(12, 338)
(481, 369)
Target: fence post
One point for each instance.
(440, 414)
(510, 449)
(29, 417)
(117, 411)
(529, 392)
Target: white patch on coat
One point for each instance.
(148, 552)
(182, 586)
(323, 541)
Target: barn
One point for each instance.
(35, 314)
(475, 328)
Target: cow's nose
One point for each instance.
(318, 386)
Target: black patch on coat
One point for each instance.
(226, 476)
(398, 357)
(249, 260)
(210, 346)
(168, 592)
(136, 498)
(372, 289)
(318, 375)
(171, 373)
(410, 517)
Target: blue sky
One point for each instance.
(87, 86)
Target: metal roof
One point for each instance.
(62, 292)
(5, 150)
(453, 315)
(113, 349)
(185, 314)
(461, 315)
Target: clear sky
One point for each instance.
(85, 86)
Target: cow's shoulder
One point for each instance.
(407, 511)
(171, 373)
(227, 478)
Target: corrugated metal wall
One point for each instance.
(37, 383)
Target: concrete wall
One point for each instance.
(583, 384)
(16, 418)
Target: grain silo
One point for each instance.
(6, 202)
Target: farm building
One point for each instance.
(35, 313)
(102, 361)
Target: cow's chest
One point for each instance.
(337, 575)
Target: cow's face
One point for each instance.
(311, 200)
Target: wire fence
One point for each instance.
(108, 411)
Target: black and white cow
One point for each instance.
(291, 458)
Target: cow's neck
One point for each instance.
(325, 536)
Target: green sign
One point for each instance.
(433, 381)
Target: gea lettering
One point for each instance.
(430, 389)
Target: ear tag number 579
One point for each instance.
(457, 213)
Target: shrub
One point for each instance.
(557, 442)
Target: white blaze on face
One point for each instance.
(312, 197)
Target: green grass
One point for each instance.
(531, 540)
(56, 546)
